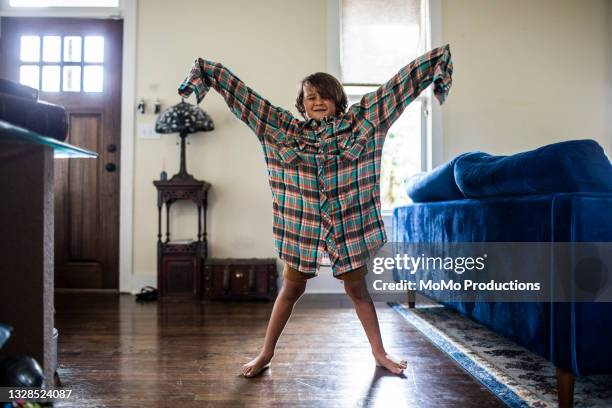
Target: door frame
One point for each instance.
(128, 12)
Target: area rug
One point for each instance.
(515, 375)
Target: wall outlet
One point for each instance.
(147, 131)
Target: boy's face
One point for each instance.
(315, 106)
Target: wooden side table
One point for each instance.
(179, 263)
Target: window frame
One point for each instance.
(6, 10)
(62, 64)
(431, 116)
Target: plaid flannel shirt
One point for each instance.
(324, 176)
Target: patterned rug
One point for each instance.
(517, 376)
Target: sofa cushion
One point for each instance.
(576, 165)
(435, 185)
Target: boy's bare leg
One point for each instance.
(281, 311)
(357, 291)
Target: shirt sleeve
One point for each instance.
(383, 106)
(248, 106)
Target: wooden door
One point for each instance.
(76, 63)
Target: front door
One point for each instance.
(76, 63)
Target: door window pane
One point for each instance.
(30, 48)
(94, 49)
(51, 78)
(52, 45)
(378, 38)
(72, 79)
(72, 49)
(28, 75)
(93, 78)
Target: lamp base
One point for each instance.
(182, 177)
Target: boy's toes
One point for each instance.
(393, 365)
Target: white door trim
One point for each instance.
(128, 92)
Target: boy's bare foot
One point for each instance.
(390, 363)
(256, 366)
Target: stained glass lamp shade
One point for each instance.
(184, 119)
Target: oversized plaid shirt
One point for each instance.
(325, 175)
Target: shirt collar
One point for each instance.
(311, 123)
(314, 124)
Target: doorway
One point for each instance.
(77, 63)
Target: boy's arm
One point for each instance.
(259, 114)
(383, 106)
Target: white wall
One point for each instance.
(526, 73)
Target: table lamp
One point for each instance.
(184, 119)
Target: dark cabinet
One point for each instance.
(180, 276)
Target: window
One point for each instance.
(53, 63)
(64, 3)
(377, 39)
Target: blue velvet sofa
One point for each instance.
(575, 337)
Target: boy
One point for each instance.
(324, 175)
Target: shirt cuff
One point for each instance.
(443, 72)
(194, 82)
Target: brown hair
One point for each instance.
(328, 87)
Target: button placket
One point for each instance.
(321, 160)
(320, 173)
(331, 245)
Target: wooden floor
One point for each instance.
(114, 352)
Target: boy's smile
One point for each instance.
(316, 106)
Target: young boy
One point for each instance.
(324, 175)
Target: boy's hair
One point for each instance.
(328, 87)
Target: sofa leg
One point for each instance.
(565, 388)
(411, 299)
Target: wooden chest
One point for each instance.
(240, 279)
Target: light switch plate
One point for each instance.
(147, 131)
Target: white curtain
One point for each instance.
(378, 38)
